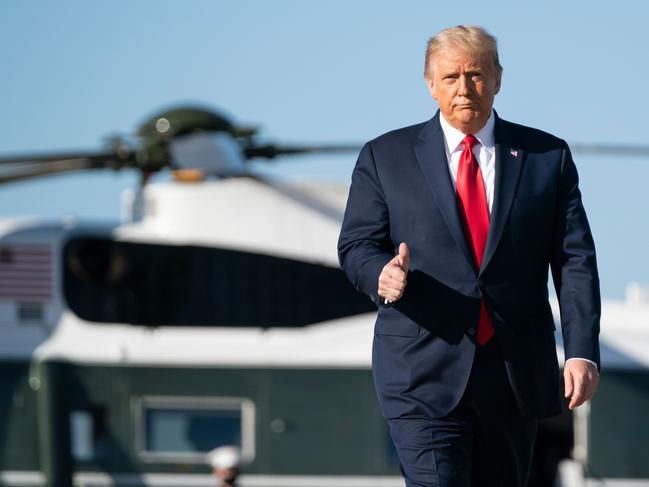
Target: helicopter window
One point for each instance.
(88, 433)
(81, 435)
(185, 429)
(155, 285)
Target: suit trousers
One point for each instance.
(483, 442)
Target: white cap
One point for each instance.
(225, 457)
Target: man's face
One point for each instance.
(227, 476)
(464, 85)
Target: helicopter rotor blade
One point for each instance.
(37, 158)
(610, 149)
(27, 167)
(271, 151)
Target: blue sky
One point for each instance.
(74, 72)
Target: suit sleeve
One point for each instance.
(574, 269)
(364, 245)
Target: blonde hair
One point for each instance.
(470, 38)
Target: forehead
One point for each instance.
(456, 59)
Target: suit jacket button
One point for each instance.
(480, 283)
(471, 331)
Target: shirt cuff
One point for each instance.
(585, 359)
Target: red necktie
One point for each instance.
(472, 202)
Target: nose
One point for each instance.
(464, 85)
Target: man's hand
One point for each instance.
(581, 379)
(392, 280)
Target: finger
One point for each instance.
(392, 276)
(404, 256)
(390, 291)
(388, 286)
(392, 295)
(567, 376)
(591, 379)
(587, 385)
(589, 391)
(578, 394)
(592, 387)
(395, 287)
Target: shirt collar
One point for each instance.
(454, 137)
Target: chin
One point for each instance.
(475, 122)
(466, 123)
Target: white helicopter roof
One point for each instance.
(300, 221)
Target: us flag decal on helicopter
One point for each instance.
(26, 272)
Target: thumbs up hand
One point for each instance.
(392, 280)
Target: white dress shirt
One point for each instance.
(485, 153)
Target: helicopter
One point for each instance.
(216, 314)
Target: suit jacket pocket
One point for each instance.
(392, 322)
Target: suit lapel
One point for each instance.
(509, 161)
(431, 156)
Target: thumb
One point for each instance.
(404, 256)
(567, 377)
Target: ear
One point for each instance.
(431, 87)
(498, 78)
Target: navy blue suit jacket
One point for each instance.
(424, 344)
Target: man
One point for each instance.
(226, 463)
(450, 228)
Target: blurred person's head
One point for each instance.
(226, 463)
